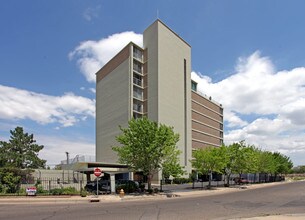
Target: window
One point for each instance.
(137, 93)
(137, 79)
(194, 86)
(136, 115)
(221, 126)
(137, 106)
(137, 53)
(137, 66)
(221, 134)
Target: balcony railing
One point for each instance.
(138, 95)
(138, 108)
(137, 82)
(138, 56)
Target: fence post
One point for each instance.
(49, 186)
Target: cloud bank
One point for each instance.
(263, 106)
(92, 55)
(66, 110)
(55, 148)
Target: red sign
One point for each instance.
(31, 191)
(97, 172)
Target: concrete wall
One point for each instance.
(169, 92)
(112, 109)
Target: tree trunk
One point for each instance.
(228, 180)
(210, 179)
(149, 178)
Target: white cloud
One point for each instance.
(55, 148)
(65, 110)
(91, 13)
(253, 93)
(93, 90)
(92, 55)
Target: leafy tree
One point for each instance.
(10, 179)
(266, 162)
(241, 158)
(21, 151)
(148, 147)
(283, 164)
(171, 166)
(228, 159)
(208, 160)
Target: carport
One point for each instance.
(108, 168)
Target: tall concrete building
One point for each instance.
(154, 81)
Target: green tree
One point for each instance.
(208, 160)
(10, 180)
(241, 158)
(171, 165)
(21, 151)
(283, 164)
(147, 147)
(266, 162)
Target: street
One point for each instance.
(271, 200)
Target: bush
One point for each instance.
(2, 188)
(64, 191)
(40, 189)
(57, 191)
(83, 193)
(181, 180)
(150, 191)
(70, 191)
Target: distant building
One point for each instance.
(155, 81)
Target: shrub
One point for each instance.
(57, 191)
(181, 180)
(64, 191)
(150, 191)
(70, 191)
(40, 189)
(3, 189)
(83, 193)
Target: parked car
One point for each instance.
(129, 186)
(104, 186)
(240, 180)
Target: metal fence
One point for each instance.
(47, 184)
(47, 180)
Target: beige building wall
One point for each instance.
(113, 91)
(169, 92)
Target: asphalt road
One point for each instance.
(272, 200)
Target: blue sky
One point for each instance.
(247, 55)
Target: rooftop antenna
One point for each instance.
(67, 154)
(158, 14)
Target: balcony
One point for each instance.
(138, 108)
(137, 54)
(137, 66)
(137, 81)
(138, 93)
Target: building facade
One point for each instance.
(154, 81)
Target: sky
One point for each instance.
(247, 55)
